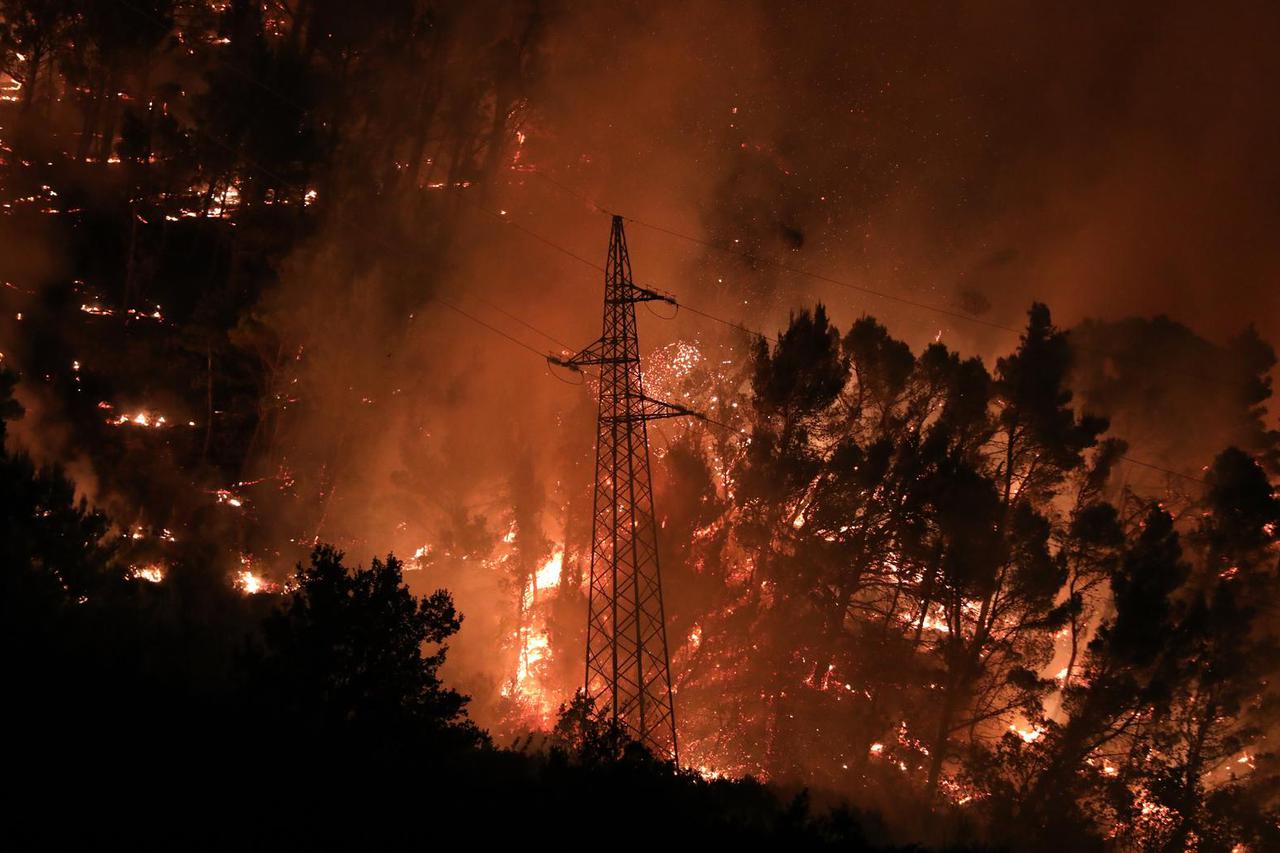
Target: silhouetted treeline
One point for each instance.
(910, 542)
(155, 714)
(941, 588)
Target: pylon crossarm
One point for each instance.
(593, 354)
(635, 293)
(651, 409)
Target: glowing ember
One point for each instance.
(229, 498)
(152, 573)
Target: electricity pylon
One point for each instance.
(628, 668)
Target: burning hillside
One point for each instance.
(925, 457)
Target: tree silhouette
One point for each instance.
(344, 656)
(53, 545)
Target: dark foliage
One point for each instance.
(159, 714)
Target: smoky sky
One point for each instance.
(1110, 159)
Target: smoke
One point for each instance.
(1110, 164)
(28, 254)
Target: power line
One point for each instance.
(286, 182)
(577, 257)
(505, 220)
(283, 98)
(302, 110)
(747, 255)
(1168, 471)
(751, 256)
(728, 323)
(573, 192)
(504, 312)
(1133, 359)
(492, 328)
(552, 338)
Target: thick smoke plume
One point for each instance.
(369, 371)
(1110, 165)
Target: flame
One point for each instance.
(419, 559)
(141, 418)
(225, 496)
(1030, 735)
(549, 575)
(247, 582)
(151, 572)
(526, 686)
(1153, 823)
(934, 622)
(251, 582)
(534, 697)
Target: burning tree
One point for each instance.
(910, 542)
(903, 574)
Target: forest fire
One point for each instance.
(151, 573)
(251, 583)
(548, 576)
(853, 512)
(139, 419)
(228, 497)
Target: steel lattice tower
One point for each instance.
(628, 668)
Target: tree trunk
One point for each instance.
(1189, 797)
(33, 73)
(926, 593)
(130, 266)
(942, 738)
(107, 141)
(89, 124)
(208, 429)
